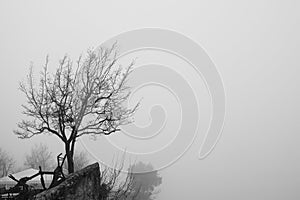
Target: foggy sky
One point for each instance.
(255, 45)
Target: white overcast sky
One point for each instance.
(255, 45)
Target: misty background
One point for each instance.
(255, 46)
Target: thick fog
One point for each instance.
(255, 47)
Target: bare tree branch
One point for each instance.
(90, 100)
(117, 185)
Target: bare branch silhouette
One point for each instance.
(71, 103)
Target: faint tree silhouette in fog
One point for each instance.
(146, 180)
(140, 182)
(40, 156)
(72, 102)
(6, 163)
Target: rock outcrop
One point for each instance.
(81, 185)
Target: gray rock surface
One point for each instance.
(81, 185)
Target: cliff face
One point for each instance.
(81, 185)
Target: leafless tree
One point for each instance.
(6, 163)
(71, 103)
(117, 185)
(139, 183)
(40, 156)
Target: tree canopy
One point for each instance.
(88, 99)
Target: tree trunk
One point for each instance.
(70, 159)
